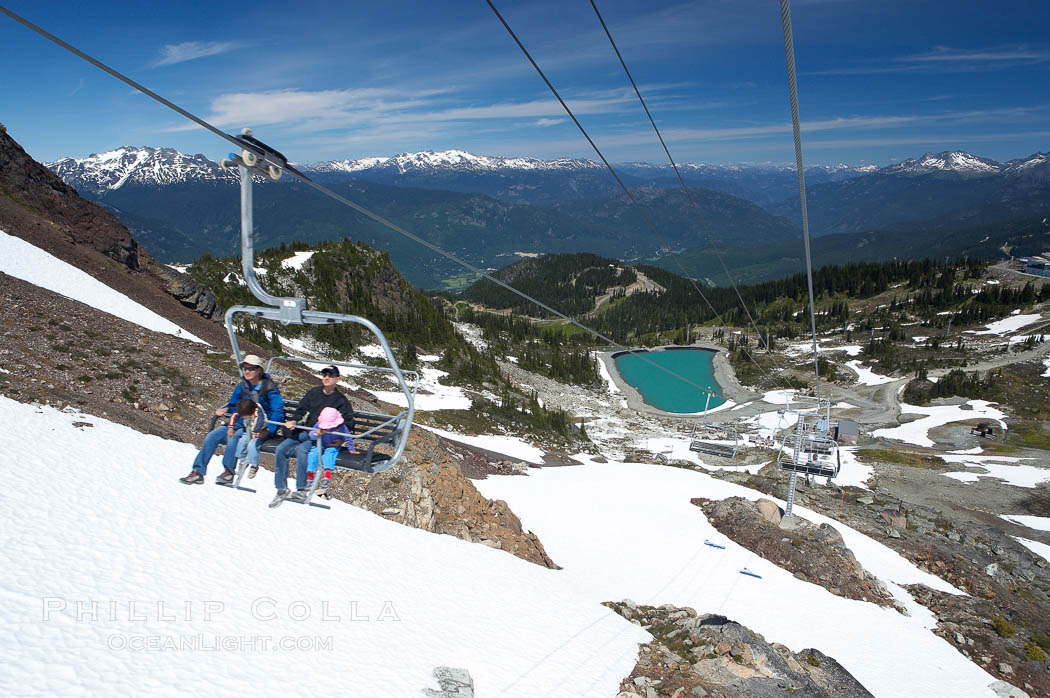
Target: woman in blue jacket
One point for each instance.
(256, 386)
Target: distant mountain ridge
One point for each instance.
(947, 190)
(964, 163)
(162, 166)
(487, 208)
(148, 166)
(429, 160)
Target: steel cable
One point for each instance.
(689, 195)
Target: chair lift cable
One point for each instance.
(262, 153)
(689, 195)
(789, 59)
(612, 171)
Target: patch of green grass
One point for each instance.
(20, 202)
(812, 659)
(1034, 435)
(908, 458)
(1004, 627)
(1034, 651)
(458, 282)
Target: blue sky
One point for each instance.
(878, 81)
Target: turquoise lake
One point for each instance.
(666, 392)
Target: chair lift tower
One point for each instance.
(810, 450)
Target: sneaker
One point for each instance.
(225, 479)
(252, 471)
(297, 496)
(194, 478)
(326, 481)
(280, 497)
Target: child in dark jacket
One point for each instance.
(254, 422)
(331, 434)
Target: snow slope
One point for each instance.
(377, 606)
(628, 530)
(234, 575)
(30, 263)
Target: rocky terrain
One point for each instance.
(698, 656)
(40, 208)
(812, 553)
(1004, 579)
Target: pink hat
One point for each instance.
(329, 418)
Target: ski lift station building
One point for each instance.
(1038, 266)
(847, 432)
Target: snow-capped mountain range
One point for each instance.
(162, 166)
(964, 163)
(456, 160)
(149, 166)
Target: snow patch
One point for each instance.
(508, 445)
(297, 260)
(29, 263)
(1006, 325)
(1040, 549)
(865, 376)
(937, 416)
(1038, 523)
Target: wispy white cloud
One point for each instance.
(926, 139)
(946, 54)
(946, 58)
(549, 122)
(322, 109)
(171, 54)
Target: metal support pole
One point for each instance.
(791, 494)
(796, 452)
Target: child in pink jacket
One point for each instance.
(330, 434)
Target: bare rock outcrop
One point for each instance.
(708, 655)
(428, 490)
(812, 553)
(40, 208)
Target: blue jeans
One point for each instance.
(215, 438)
(300, 443)
(327, 458)
(248, 448)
